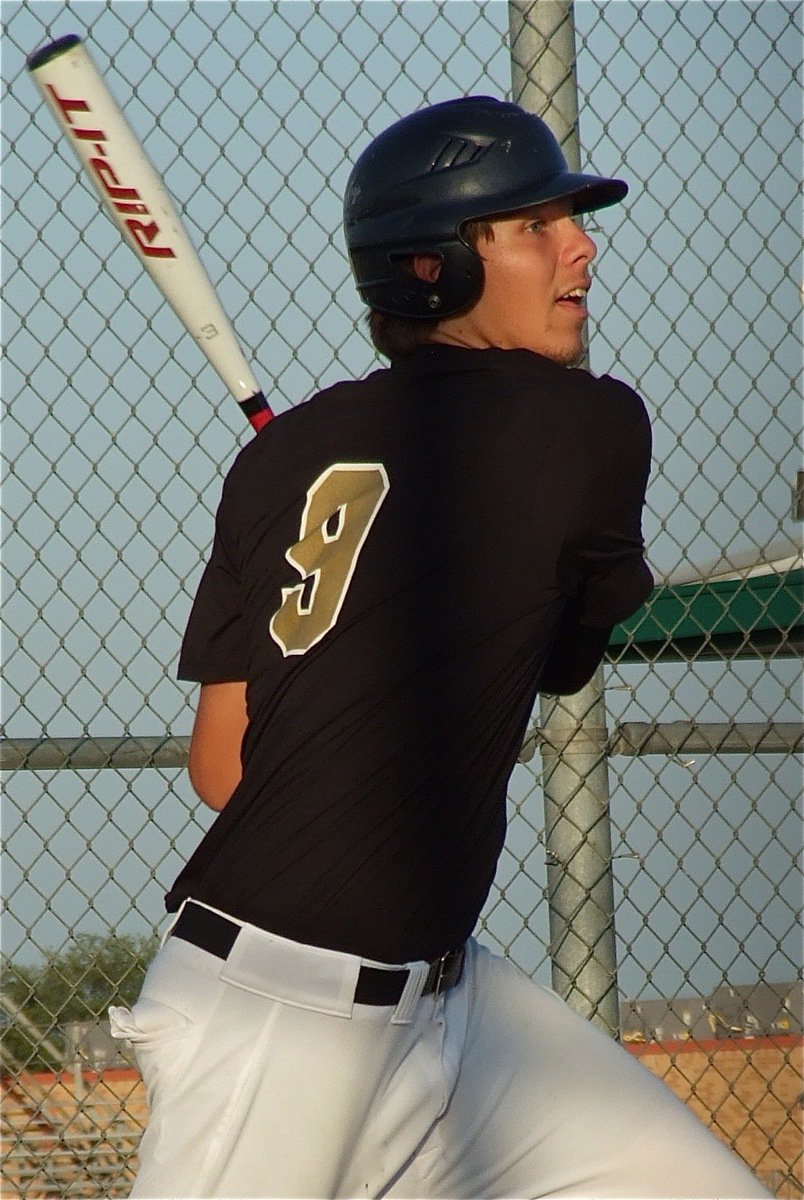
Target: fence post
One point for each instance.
(580, 886)
(574, 738)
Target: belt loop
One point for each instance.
(170, 927)
(411, 994)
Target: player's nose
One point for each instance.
(579, 244)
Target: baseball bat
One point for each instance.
(135, 198)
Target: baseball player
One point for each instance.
(399, 566)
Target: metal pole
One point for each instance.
(580, 885)
(702, 737)
(543, 80)
(37, 1037)
(574, 736)
(93, 753)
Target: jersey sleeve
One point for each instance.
(603, 572)
(606, 563)
(214, 648)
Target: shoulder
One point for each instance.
(609, 404)
(572, 394)
(320, 406)
(615, 397)
(311, 424)
(623, 397)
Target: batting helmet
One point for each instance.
(413, 188)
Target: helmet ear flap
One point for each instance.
(388, 285)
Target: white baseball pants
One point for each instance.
(265, 1080)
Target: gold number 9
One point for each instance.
(338, 514)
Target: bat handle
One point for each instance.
(256, 409)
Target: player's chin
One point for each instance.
(565, 342)
(561, 345)
(566, 355)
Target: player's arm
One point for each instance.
(220, 723)
(603, 568)
(576, 654)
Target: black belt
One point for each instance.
(375, 985)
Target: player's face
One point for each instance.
(536, 283)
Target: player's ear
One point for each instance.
(426, 267)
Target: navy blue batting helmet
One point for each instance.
(415, 186)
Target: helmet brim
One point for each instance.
(587, 193)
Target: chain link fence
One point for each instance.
(116, 436)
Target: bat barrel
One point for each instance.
(135, 198)
(47, 53)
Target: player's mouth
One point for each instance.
(574, 300)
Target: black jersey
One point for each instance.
(399, 565)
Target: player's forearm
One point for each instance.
(214, 783)
(214, 762)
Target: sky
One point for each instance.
(116, 433)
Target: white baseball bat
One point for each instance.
(135, 198)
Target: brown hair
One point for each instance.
(394, 336)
